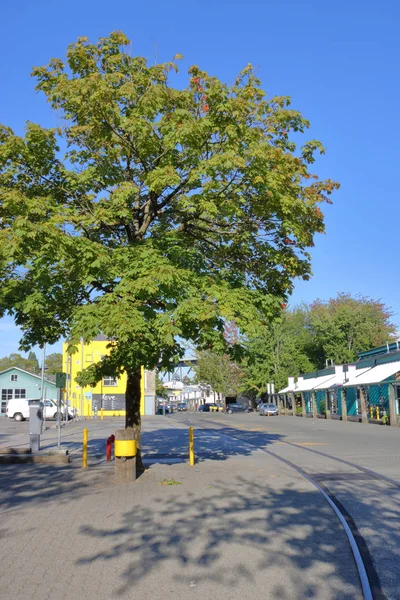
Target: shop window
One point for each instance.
(6, 395)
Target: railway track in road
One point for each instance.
(369, 577)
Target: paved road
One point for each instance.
(238, 524)
(371, 504)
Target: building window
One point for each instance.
(6, 395)
(89, 358)
(19, 393)
(14, 377)
(110, 381)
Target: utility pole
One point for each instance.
(82, 367)
(61, 381)
(42, 376)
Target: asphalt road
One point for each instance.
(319, 447)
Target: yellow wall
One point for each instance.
(88, 354)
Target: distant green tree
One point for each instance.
(218, 371)
(53, 363)
(160, 389)
(17, 360)
(284, 350)
(346, 325)
(308, 336)
(33, 359)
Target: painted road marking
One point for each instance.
(309, 444)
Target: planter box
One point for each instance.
(47, 459)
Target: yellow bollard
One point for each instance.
(101, 414)
(84, 451)
(371, 413)
(191, 446)
(377, 413)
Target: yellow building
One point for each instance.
(109, 393)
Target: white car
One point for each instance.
(268, 409)
(18, 409)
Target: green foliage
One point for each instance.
(16, 360)
(219, 372)
(160, 389)
(33, 359)
(285, 349)
(53, 363)
(172, 211)
(345, 326)
(304, 338)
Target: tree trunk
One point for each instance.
(132, 416)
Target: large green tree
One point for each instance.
(33, 359)
(285, 349)
(308, 337)
(168, 212)
(220, 372)
(346, 325)
(53, 363)
(17, 360)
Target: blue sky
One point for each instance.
(337, 60)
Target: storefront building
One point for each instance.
(109, 393)
(367, 390)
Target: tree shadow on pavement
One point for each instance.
(232, 538)
(173, 443)
(29, 484)
(34, 483)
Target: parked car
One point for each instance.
(204, 408)
(234, 408)
(18, 409)
(214, 407)
(268, 410)
(182, 406)
(160, 410)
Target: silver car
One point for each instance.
(268, 410)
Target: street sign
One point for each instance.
(61, 380)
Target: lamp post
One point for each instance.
(42, 394)
(42, 374)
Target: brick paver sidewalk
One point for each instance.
(237, 525)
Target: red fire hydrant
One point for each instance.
(109, 443)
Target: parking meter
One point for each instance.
(35, 424)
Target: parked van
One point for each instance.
(18, 409)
